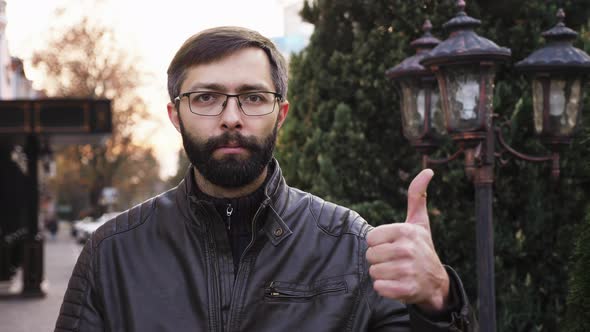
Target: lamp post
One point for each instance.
(465, 65)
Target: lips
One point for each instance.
(230, 145)
(231, 148)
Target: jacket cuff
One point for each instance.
(456, 317)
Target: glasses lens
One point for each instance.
(206, 103)
(257, 103)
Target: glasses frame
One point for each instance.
(278, 97)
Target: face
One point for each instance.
(232, 149)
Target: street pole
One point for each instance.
(483, 182)
(485, 257)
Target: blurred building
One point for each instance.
(13, 81)
(14, 85)
(296, 32)
(30, 124)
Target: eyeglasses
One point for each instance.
(209, 103)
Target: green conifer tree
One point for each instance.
(578, 301)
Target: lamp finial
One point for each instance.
(461, 5)
(560, 16)
(426, 27)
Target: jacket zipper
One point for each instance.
(277, 293)
(216, 322)
(228, 211)
(238, 282)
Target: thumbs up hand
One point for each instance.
(404, 264)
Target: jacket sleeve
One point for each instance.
(393, 316)
(459, 317)
(81, 308)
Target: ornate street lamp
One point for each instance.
(559, 72)
(465, 65)
(422, 117)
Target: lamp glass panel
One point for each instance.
(412, 105)
(557, 98)
(565, 98)
(463, 91)
(538, 105)
(573, 106)
(437, 117)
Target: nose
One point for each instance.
(231, 116)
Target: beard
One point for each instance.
(230, 171)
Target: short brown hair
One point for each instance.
(213, 44)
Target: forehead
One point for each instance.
(248, 67)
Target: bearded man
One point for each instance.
(233, 247)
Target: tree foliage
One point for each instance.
(181, 169)
(84, 60)
(343, 141)
(579, 295)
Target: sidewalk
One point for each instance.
(32, 315)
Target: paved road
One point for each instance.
(33, 315)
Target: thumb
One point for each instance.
(417, 210)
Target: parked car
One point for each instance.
(74, 229)
(85, 227)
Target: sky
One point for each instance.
(149, 30)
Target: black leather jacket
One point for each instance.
(166, 265)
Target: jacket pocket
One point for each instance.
(286, 291)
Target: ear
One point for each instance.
(173, 115)
(283, 110)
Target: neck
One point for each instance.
(222, 192)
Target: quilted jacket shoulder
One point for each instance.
(125, 221)
(337, 220)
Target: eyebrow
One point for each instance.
(223, 88)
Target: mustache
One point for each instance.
(249, 143)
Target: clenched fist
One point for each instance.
(404, 264)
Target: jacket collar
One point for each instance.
(276, 198)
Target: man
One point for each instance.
(233, 248)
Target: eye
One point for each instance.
(255, 98)
(204, 98)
